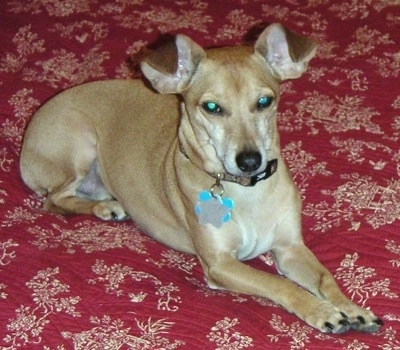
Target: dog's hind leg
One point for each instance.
(86, 194)
(62, 163)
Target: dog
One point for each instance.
(196, 164)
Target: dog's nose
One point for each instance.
(249, 161)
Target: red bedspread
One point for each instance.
(78, 282)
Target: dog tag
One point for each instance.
(213, 209)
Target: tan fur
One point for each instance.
(114, 147)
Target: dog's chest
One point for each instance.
(256, 231)
(259, 212)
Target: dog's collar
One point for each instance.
(271, 168)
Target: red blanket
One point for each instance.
(78, 282)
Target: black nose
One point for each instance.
(248, 161)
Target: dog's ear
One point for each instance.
(171, 67)
(287, 53)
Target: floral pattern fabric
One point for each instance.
(80, 283)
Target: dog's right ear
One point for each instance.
(171, 67)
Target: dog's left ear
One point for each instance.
(171, 67)
(287, 53)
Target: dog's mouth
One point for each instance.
(248, 167)
(252, 179)
(246, 163)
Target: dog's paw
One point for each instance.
(110, 210)
(328, 318)
(362, 319)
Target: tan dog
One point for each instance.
(111, 147)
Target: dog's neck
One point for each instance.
(270, 169)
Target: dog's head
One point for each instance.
(230, 96)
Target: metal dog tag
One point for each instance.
(213, 209)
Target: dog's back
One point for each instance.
(116, 111)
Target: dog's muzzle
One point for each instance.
(251, 162)
(271, 168)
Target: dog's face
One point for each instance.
(231, 106)
(230, 97)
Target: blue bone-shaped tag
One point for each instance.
(213, 210)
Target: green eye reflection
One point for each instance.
(264, 102)
(212, 107)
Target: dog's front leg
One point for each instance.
(300, 265)
(223, 270)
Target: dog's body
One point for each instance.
(112, 147)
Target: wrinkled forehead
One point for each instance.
(237, 70)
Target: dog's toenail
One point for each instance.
(361, 319)
(344, 315)
(330, 326)
(344, 323)
(379, 322)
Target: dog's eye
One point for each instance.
(212, 107)
(264, 102)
